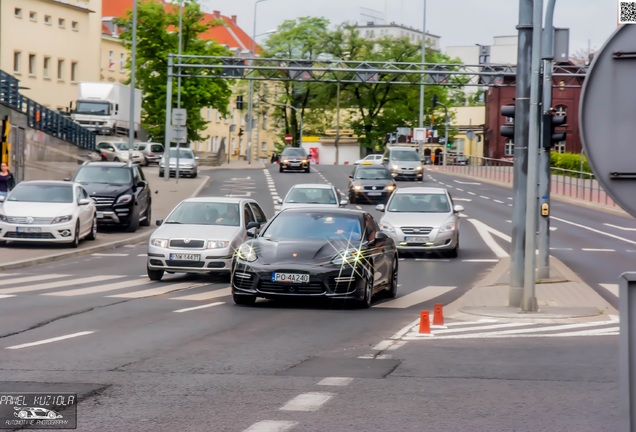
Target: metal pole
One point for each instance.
(337, 143)
(520, 179)
(166, 135)
(422, 81)
(529, 301)
(300, 126)
(445, 136)
(250, 91)
(627, 356)
(133, 61)
(179, 82)
(543, 266)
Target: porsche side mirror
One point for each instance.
(458, 209)
(251, 225)
(251, 232)
(159, 222)
(380, 207)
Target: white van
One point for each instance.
(403, 162)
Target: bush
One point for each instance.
(569, 161)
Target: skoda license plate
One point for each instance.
(374, 193)
(290, 277)
(28, 229)
(184, 257)
(416, 239)
(100, 215)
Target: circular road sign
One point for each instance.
(288, 138)
(607, 116)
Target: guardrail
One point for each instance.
(42, 118)
(567, 183)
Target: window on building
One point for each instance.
(510, 148)
(561, 110)
(74, 72)
(560, 147)
(33, 16)
(61, 22)
(47, 67)
(264, 121)
(17, 60)
(17, 12)
(218, 116)
(122, 62)
(111, 60)
(60, 69)
(75, 25)
(32, 64)
(264, 146)
(47, 19)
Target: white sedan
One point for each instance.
(47, 211)
(312, 195)
(372, 159)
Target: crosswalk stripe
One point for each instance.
(6, 296)
(416, 297)
(206, 295)
(101, 288)
(480, 328)
(26, 279)
(553, 328)
(58, 284)
(158, 291)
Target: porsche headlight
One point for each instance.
(217, 244)
(387, 227)
(246, 252)
(159, 242)
(61, 219)
(349, 256)
(447, 227)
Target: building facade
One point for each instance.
(372, 30)
(35, 41)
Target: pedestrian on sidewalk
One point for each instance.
(7, 181)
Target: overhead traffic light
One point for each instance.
(551, 136)
(508, 130)
(239, 102)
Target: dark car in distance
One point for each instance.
(371, 183)
(294, 158)
(316, 253)
(120, 191)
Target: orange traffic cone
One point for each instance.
(425, 324)
(438, 316)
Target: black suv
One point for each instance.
(294, 158)
(121, 192)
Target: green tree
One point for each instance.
(155, 40)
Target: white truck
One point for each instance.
(105, 108)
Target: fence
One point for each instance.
(568, 183)
(42, 118)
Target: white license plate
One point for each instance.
(100, 215)
(374, 193)
(28, 229)
(185, 257)
(416, 239)
(290, 277)
(294, 163)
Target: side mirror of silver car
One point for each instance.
(279, 201)
(380, 207)
(343, 202)
(458, 209)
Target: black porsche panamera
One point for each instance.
(320, 253)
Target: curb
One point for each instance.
(90, 250)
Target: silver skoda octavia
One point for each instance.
(422, 219)
(201, 234)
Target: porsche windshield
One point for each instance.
(313, 225)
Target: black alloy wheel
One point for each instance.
(154, 275)
(93, 234)
(365, 303)
(133, 222)
(76, 237)
(148, 220)
(391, 291)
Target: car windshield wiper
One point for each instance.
(173, 222)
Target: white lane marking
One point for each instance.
(335, 381)
(58, 284)
(367, 356)
(396, 345)
(142, 255)
(311, 401)
(484, 197)
(553, 328)
(25, 279)
(510, 198)
(55, 339)
(481, 260)
(619, 227)
(485, 232)
(563, 249)
(431, 259)
(382, 345)
(471, 193)
(271, 426)
(158, 291)
(498, 201)
(509, 205)
(598, 250)
(480, 328)
(612, 288)
(101, 288)
(466, 183)
(595, 230)
(110, 254)
(599, 332)
(199, 307)
(404, 330)
(6, 296)
(383, 357)
(509, 221)
(462, 199)
(358, 207)
(419, 296)
(460, 190)
(206, 295)
(553, 228)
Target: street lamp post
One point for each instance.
(133, 61)
(250, 90)
(421, 118)
(445, 131)
(179, 86)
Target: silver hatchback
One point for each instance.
(422, 219)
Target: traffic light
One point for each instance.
(508, 130)
(239, 102)
(552, 121)
(241, 132)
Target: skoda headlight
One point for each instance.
(217, 244)
(447, 227)
(246, 252)
(357, 187)
(124, 199)
(419, 168)
(61, 219)
(390, 187)
(349, 256)
(159, 242)
(387, 227)
(394, 167)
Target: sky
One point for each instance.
(457, 22)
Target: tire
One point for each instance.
(196, 173)
(352, 199)
(154, 275)
(391, 291)
(133, 223)
(160, 173)
(92, 235)
(76, 235)
(365, 303)
(280, 169)
(148, 220)
(244, 300)
(116, 159)
(453, 253)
